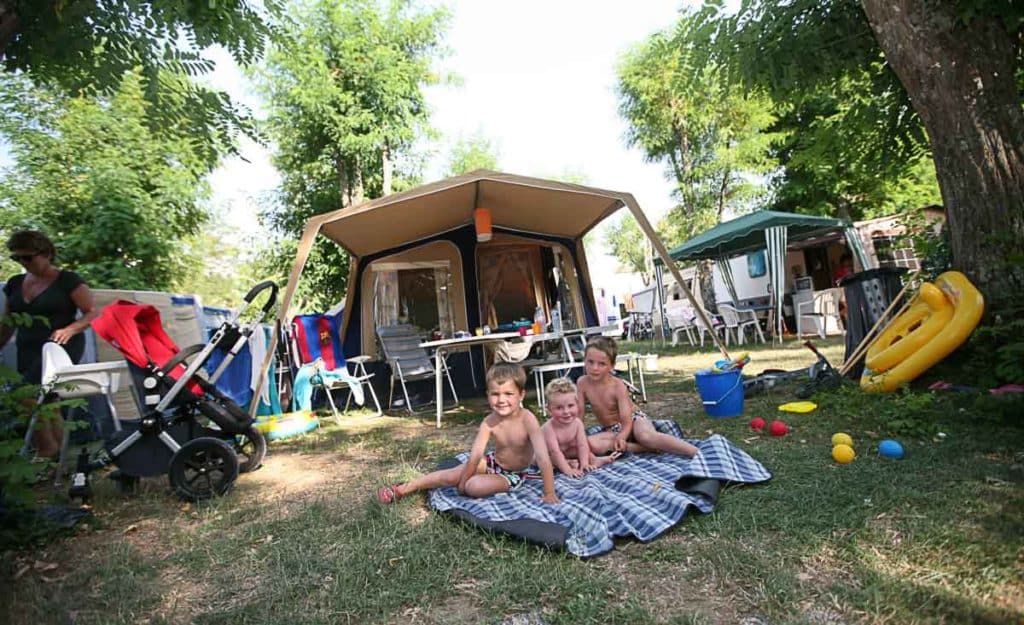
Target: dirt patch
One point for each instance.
(666, 587)
(672, 405)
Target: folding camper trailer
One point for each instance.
(481, 249)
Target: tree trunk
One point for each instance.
(386, 165)
(960, 79)
(357, 181)
(343, 185)
(723, 190)
(8, 24)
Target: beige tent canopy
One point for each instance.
(518, 204)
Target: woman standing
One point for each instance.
(55, 295)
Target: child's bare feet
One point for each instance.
(390, 494)
(600, 461)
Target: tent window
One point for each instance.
(757, 265)
(413, 293)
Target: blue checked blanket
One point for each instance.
(635, 495)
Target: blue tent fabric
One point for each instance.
(635, 496)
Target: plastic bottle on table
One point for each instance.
(556, 320)
(539, 320)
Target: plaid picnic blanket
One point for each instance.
(635, 495)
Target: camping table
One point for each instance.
(632, 359)
(565, 335)
(443, 345)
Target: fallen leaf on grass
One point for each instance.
(21, 571)
(44, 566)
(131, 528)
(394, 561)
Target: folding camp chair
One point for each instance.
(357, 379)
(409, 362)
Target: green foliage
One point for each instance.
(343, 82)
(17, 473)
(852, 145)
(681, 111)
(903, 413)
(628, 244)
(219, 270)
(470, 153)
(116, 197)
(91, 47)
(994, 355)
(930, 242)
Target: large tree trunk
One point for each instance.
(961, 81)
(8, 24)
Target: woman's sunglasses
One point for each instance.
(22, 258)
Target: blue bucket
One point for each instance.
(722, 393)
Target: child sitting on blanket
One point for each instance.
(518, 447)
(626, 427)
(564, 433)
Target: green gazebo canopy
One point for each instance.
(746, 234)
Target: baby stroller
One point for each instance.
(188, 428)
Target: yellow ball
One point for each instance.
(842, 438)
(843, 454)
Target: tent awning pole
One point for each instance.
(659, 247)
(301, 256)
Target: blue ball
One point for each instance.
(890, 449)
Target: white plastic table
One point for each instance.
(443, 345)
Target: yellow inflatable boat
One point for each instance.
(938, 321)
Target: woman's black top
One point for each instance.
(59, 310)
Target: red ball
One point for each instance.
(778, 428)
(757, 423)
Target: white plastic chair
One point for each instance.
(823, 307)
(66, 380)
(739, 321)
(718, 327)
(679, 323)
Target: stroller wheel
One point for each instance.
(251, 447)
(204, 467)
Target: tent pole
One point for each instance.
(301, 256)
(659, 247)
(659, 282)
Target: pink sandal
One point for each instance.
(389, 494)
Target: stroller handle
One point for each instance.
(259, 288)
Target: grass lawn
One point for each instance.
(937, 537)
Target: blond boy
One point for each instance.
(626, 427)
(564, 433)
(519, 447)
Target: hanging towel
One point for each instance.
(258, 351)
(313, 374)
